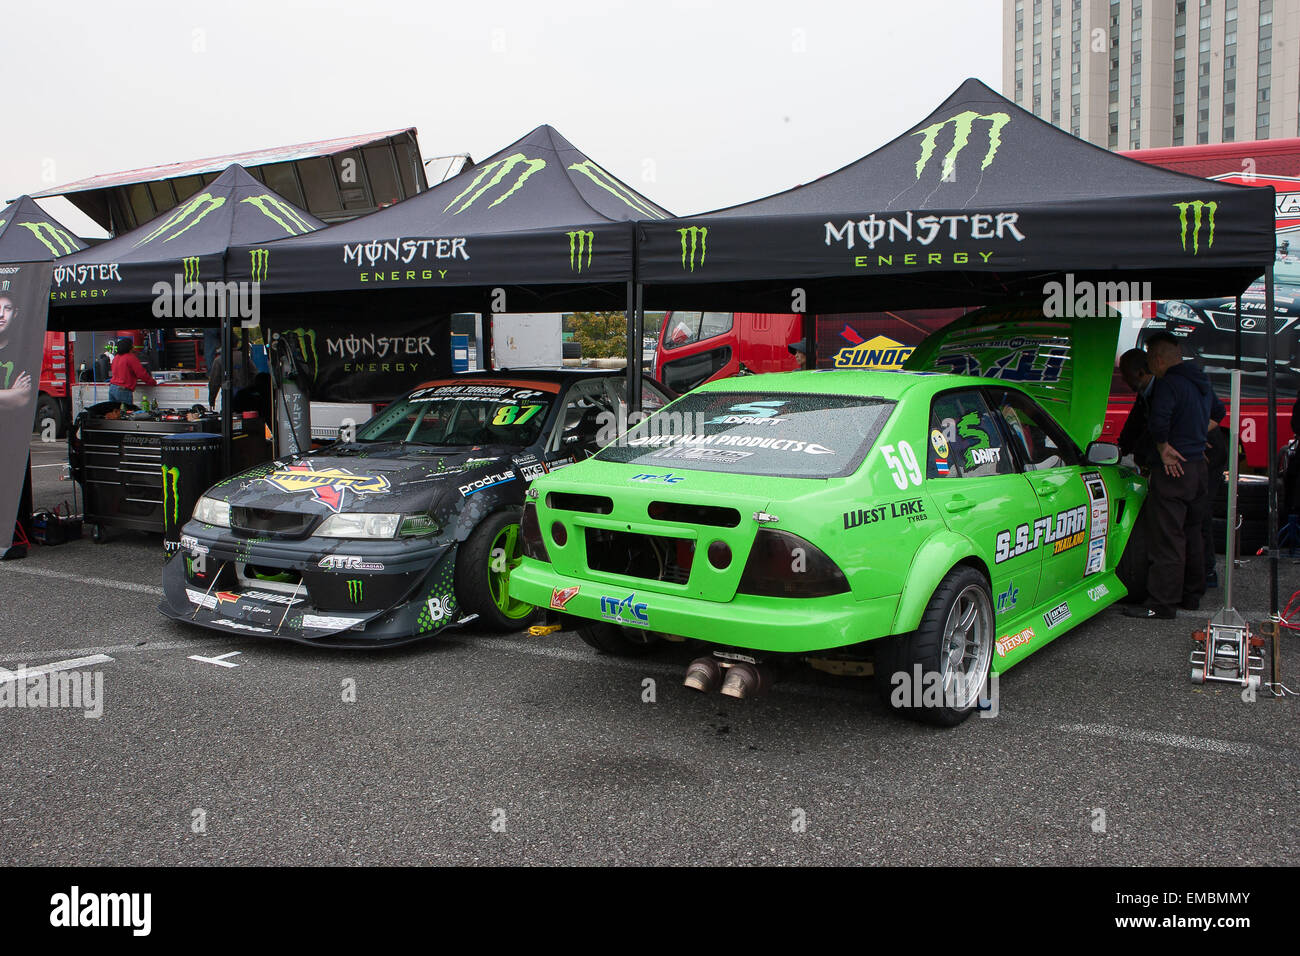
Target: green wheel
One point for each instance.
(483, 569)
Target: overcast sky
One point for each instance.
(697, 103)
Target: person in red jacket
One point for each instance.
(128, 372)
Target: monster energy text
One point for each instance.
(924, 230)
(404, 250)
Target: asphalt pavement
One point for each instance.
(508, 749)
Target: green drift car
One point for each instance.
(937, 521)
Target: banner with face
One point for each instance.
(24, 299)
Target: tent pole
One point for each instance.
(1237, 313)
(1272, 444)
(227, 416)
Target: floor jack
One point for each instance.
(1227, 650)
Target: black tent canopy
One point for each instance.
(29, 234)
(106, 286)
(979, 201)
(538, 218)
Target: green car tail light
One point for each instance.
(785, 565)
(531, 532)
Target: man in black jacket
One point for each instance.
(1182, 406)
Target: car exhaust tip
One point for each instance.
(703, 674)
(743, 680)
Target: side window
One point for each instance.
(1040, 442)
(581, 419)
(965, 440)
(687, 327)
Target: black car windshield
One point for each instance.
(757, 433)
(456, 414)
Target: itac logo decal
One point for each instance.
(615, 609)
(498, 171)
(1199, 211)
(75, 908)
(280, 213)
(693, 238)
(184, 218)
(59, 241)
(962, 126)
(190, 268)
(611, 185)
(259, 264)
(580, 241)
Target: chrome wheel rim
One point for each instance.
(967, 647)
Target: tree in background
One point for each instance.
(601, 334)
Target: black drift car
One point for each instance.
(410, 528)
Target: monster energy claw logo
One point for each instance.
(260, 264)
(605, 181)
(578, 242)
(962, 124)
(498, 170)
(307, 339)
(171, 479)
(191, 266)
(191, 214)
(1196, 206)
(49, 234)
(8, 369)
(279, 212)
(356, 590)
(694, 237)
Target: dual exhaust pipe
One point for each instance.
(738, 679)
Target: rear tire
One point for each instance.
(618, 640)
(48, 410)
(954, 640)
(483, 579)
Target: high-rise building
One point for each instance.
(1134, 74)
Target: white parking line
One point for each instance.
(74, 664)
(1162, 739)
(108, 649)
(11, 568)
(219, 660)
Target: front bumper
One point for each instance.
(772, 624)
(346, 594)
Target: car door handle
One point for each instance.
(958, 505)
(1046, 490)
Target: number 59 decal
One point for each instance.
(903, 466)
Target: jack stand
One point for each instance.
(541, 630)
(1227, 651)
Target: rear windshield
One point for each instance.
(748, 433)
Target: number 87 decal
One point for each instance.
(903, 466)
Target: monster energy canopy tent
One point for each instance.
(105, 286)
(978, 201)
(29, 234)
(538, 213)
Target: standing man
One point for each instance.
(128, 372)
(1182, 405)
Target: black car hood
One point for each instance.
(382, 477)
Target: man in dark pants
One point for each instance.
(1182, 405)
(1135, 440)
